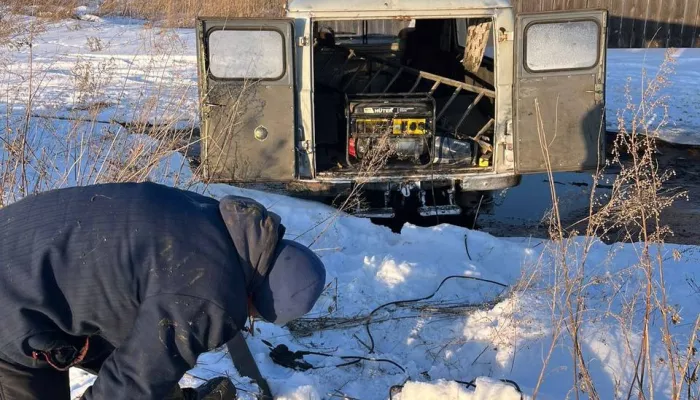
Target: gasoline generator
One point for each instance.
(389, 128)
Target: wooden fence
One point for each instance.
(637, 23)
(632, 23)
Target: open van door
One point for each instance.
(560, 91)
(246, 90)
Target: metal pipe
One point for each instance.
(354, 75)
(415, 85)
(449, 102)
(376, 74)
(393, 80)
(469, 110)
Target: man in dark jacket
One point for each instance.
(134, 282)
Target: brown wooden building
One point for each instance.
(637, 23)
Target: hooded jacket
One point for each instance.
(159, 273)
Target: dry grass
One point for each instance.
(169, 13)
(374, 161)
(631, 302)
(49, 9)
(78, 144)
(181, 13)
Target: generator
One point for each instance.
(401, 124)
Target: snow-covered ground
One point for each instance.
(144, 73)
(369, 266)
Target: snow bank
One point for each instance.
(486, 389)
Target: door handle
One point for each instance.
(598, 92)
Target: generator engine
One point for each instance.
(403, 125)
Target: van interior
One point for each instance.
(403, 96)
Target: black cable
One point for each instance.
(355, 359)
(466, 247)
(517, 387)
(393, 303)
(281, 355)
(467, 384)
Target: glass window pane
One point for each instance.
(240, 54)
(562, 45)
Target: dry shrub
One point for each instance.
(631, 301)
(374, 160)
(49, 9)
(182, 13)
(171, 13)
(87, 140)
(8, 28)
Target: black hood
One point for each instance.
(255, 232)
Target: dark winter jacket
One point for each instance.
(160, 273)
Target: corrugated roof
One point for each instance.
(389, 5)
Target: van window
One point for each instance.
(246, 54)
(551, 46)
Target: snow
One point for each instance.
(143, 73)
(485, 389)
(369, 266)
(683, 117)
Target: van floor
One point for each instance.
(404, 169)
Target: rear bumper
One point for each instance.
(311, 188)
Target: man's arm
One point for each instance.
(169, 333)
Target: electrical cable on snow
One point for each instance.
(283, 356)
(400, 302)
(466, 247)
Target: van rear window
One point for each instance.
(246, 54)
(551, 46)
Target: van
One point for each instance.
(401, 103)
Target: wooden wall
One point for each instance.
(637, 23)
(632, 23)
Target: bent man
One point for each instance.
(133, 282)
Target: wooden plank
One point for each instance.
(696, 27)
(640, 38)
(616, 23)
(638, 14)
(665, 22)
(523, 5)
(558, 5)
(578, 4)
(535, 5)
(675, 24)
(652, 34)
(688, 23)
(541, 6)
(596, 4)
